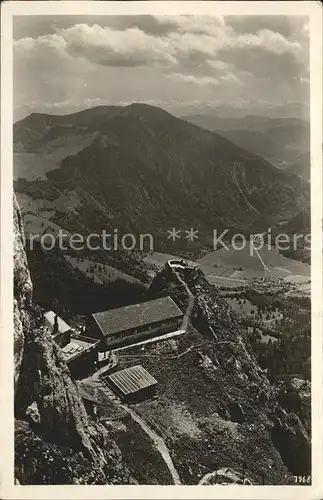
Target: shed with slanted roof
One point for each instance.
(133, 384)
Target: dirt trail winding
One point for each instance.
(190, 306)
(158, 441)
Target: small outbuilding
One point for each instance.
(60, 330)
(133, 384)
(81, 355)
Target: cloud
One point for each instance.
(198, 80)
(103, 46)
(268, 41)
(208, 25)
(131, 47)
(87, 59)
(288, 26)
(192, 40)
(231, 78)
(218, 65)
(47, 42)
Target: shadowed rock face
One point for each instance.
(48, 398)
(293, 444)
(22, 289)
(295, 396)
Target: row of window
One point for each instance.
(147, 328)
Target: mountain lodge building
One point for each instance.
(130, 324)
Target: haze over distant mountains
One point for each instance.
(140, 169)
(241, 108)
(284, 141)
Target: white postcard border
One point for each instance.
(9, 9)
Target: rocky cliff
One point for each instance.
(22, 290)
(55, 441)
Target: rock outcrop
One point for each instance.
(235, 390)
(22, 289)
(53, 428)
(294, 395)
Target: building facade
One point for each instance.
(130, 324)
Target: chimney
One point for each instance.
(55, 329)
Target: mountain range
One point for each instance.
(140, 169)
(284, 142)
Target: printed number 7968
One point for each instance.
(302, 479)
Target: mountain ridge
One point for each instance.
(284, 142)
(152, 171)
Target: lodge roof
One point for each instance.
(137, 315)
(133, 379)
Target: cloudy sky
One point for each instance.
(185, 64)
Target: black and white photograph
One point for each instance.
(164, 261)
